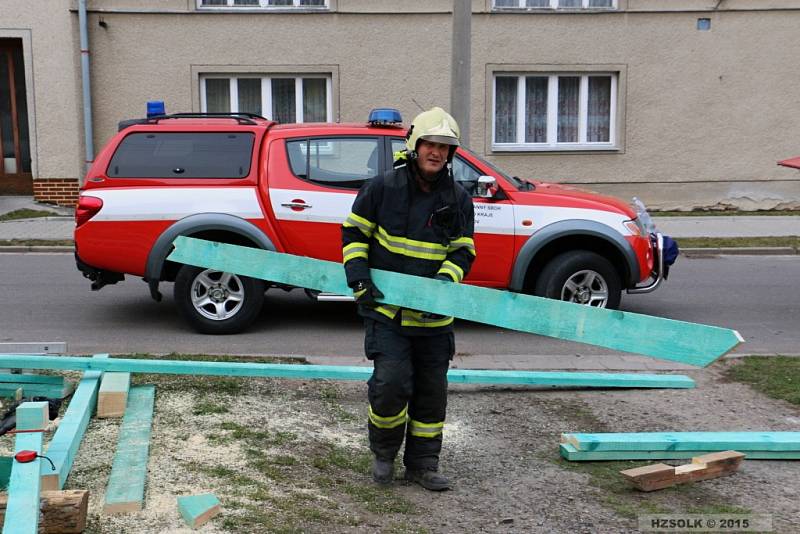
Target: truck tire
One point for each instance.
(581, 276)
(213, 302)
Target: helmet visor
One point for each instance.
(444, 139)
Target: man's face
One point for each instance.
(431, 157)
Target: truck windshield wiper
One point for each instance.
(524, 184)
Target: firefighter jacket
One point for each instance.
(395, 226)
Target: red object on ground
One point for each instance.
(792, 162)
(24, 457)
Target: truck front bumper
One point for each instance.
(660, 270)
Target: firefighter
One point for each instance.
(417, 220)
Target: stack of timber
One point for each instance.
(679, 445)
(660, 476)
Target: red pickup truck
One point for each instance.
(240, 178)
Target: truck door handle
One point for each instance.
(296, 205)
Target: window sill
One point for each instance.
(498, 149)
(555, 10)
(256, 9)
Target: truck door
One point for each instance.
(312, 185)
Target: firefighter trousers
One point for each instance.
(407, 393)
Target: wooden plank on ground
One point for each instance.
(18, 378)
(22, 511)
(63, 512)
(705, 467)
(125, 491)
(684, 441)
(51, 391)
(568, 452)
(342, 372)
(198, 510)
(679, 341)
(113, 394)
(66, 440)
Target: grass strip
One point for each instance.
(37, 243)
(775, 376)
(727, 213)
(25, 213)
(739, 242)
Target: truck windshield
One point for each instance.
(513, 180)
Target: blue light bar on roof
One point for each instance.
(155, 107)
(384, 116)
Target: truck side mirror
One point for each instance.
(486, 188)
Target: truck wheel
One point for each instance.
(583, 277)
(214, 302)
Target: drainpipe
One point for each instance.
(87, 89)
(460, 66)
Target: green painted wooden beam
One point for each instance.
(125, 491)
(685, 441)
(66, 440)
(679, 341)
(15, 378)
(6, 463)
(342, 372)
(197, 510)
(22, 509)
(51, 391)
(572, 454)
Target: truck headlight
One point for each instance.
(645, 221)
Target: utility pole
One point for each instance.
(461, 65)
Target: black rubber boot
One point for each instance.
(430, 480)
(383, 471)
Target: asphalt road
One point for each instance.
(44, 298)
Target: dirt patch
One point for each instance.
(291, 456)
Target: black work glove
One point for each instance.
(366, 293)
(443, 277)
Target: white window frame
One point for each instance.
(264, 4)
(266, 92)
(552, 144)
(554, 5)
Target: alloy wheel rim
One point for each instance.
(217, 295)
(586, 287)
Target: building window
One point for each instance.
(280, 98)
(554, 111)
(555, 4)
(265, 4)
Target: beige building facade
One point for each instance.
(683, 103)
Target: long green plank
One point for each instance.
(667, 339)
(342, 372)
(14, 378)
(685, 441)
(125, 491)
(66, 440)
(22, 510)
(574, 455)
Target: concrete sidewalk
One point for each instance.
(61, 225)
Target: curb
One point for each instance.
(739, 251)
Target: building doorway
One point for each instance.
(15, 148)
